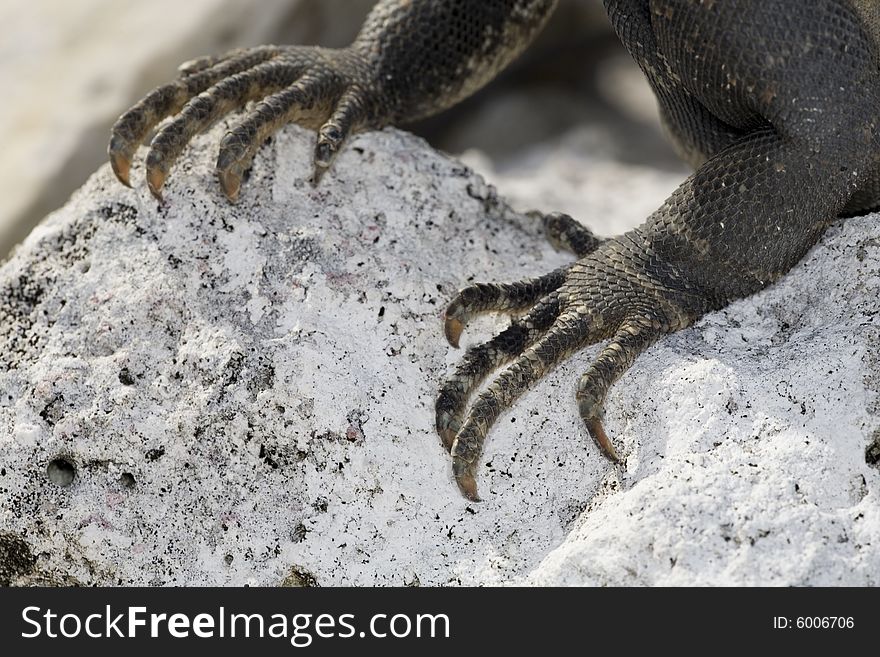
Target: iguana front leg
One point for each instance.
(411, 59)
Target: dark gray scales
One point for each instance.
(775, 104)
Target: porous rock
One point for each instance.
(208, 393)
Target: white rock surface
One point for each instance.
(246, 394)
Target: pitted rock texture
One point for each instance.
(206, 393)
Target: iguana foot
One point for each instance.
(606, 295)
(320, 88)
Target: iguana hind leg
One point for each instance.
(606, 295)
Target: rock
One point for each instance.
(206, 393)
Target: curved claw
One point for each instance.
(453, 328)
(317, 174)
(448, 437)
(230, 181)
(447, 411)
(325, 150)
(464, 477)
(343, 121)
(597, 433)
(446, 429)
(120, 160)
(232, 161)
(155, 181)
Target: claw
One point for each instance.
(120, 160)
(597, 433)
(318, 173)
(155, 181)
(231, 165)
(453, 328)
(448, 438)
(121, 167)
(447, 433)
(323, 154)
(467, 484)
(446, 412)
(230, 181)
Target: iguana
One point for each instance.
(775, 103)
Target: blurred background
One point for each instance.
(571, 126)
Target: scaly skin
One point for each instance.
(775, 103)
